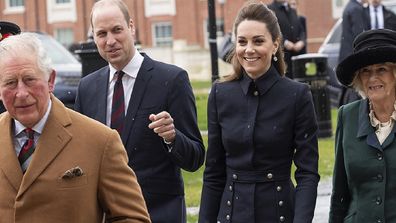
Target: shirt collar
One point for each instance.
(38, 127)
(379, 8)
(131, 69)
(374, 121)
(263, 83)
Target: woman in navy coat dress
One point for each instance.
(259, 122)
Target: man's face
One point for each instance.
(24, 89)
(375, 3)
(113, 35)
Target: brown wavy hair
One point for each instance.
(257, 11)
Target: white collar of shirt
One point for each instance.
(131, 69)
(380, 16)
(38, 128)
(128, 81)
(382, 130)
(21, 138)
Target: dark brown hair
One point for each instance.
(258, 11)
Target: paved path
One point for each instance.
(322, 203)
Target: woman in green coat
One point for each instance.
(364, 179)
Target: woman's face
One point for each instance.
(378, 81)
(254, 48)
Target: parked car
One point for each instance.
(67, 67)
(331, 48)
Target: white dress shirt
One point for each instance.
(20, 137)
(128, 81)
(380, 17)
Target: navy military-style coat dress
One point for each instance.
(256, 130)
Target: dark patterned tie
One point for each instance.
(118, 104)
(376, 26)
(27, 149)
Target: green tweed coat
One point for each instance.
(364, 179)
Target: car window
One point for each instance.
(57, 53)
(336, 33)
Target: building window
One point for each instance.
(220, 27)
(159, 7)
(65, 36)
(61, 11)
(14, 7)
(16, 3)
(162, 34)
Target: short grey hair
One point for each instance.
(28, 44)
(357, 83)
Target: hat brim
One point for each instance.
(346, 69)
(9, 27)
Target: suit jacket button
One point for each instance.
(269, 176)
(280, 203)
(234, 176)
(278, 188)
(228, 217)
(229, 203)
(230, 188)
(378, 201)
(380, 177)
(281, 219)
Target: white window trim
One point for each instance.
(153, 31)
(61, 12)
(67, 5)
(13, 10)
(152, 9)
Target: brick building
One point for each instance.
(177, 23)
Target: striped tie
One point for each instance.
(27, 149)
(118, 104)
(376, 25)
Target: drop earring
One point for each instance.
(275, 58)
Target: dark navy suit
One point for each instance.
(158, 87)
(291, 29)
(354, 22)
(255, 131)
(389, 18)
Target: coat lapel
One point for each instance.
(390, 138)
(102, 86)
(365, 128)
(143, 77)
(8, 160)
(51, 142)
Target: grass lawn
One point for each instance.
(193, 181)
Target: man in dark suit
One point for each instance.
(159, 130)
(354, 22)
(57, 165)
(303, 21)
(292, 31)
(379, 17)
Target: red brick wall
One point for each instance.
(187, 23)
